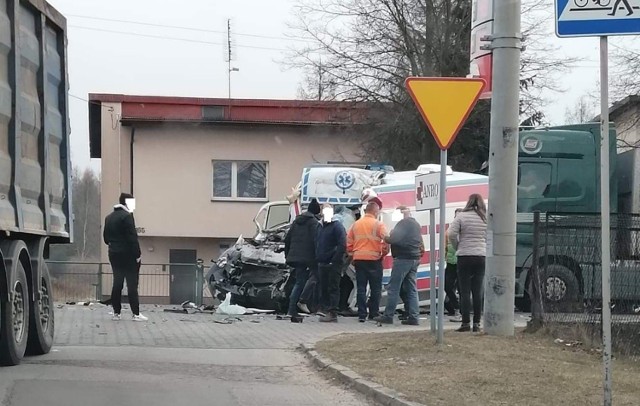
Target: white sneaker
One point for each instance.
(116, 317)
(140, 317)
(303, 308)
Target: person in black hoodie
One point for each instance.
(124, 255)
(331, 248)
(300, 251)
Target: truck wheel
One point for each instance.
(560, 288)
(41, 324)
(14, 330)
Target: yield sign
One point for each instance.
(445, 104)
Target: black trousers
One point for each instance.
(369, 272)
(346, 286)
(471, 280)
(125, 267)
(330, 286)
(450, 287)
(311, 292)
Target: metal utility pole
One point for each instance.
(442, 245)
(605, 217)
(229, 57)
(503, 168)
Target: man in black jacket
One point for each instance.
(124, 255)
(330, 251)
(406, 248)
(300, 251)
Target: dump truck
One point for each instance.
(35, 169)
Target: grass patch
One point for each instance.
(478, 370)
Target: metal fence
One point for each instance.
(158, 283)
(566, 281)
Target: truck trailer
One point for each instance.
(35, 170)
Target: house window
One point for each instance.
(239, 180)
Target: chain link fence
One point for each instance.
(566, 280)
(158, 283)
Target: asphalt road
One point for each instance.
(181, 359)
(108, 376)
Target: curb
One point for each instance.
(377, 392)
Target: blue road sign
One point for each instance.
(591, 18)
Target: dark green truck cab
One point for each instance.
(558, 172)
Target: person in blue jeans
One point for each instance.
(406, 248)
(300, 251)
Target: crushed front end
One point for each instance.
(254, 272)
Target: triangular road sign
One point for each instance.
(445, 104)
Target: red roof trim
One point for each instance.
(160, 108)
(121, 98)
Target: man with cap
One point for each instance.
(365, 243)
(406, 248)
(300, 251)
(124, 255)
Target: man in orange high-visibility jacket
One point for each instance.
(365, 243)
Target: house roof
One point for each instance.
(162, 109)
(619, 107)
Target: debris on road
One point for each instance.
(227, 308)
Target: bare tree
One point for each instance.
(86, 219)
(317, 85)
(625, 69)
(583, 111)
(625, 86)
(364, 49)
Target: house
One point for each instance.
(626, 116)
(200, 169)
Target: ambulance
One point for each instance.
(254, 270)
(344, 186)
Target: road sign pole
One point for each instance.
(432, 268)
(442, 245)
(503, 168)
(445, 104)
(604, 215)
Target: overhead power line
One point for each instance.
(90, 101)
(135, 34)
(179, 27)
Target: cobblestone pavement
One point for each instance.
(92, 325)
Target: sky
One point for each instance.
(103, 61)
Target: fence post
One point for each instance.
(99, 284)
(199, 281)
(536, 295)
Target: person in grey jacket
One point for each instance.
(406, 248)
(468, 236)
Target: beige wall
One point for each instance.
(173, 173)
(173, 177)
(114, 162)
